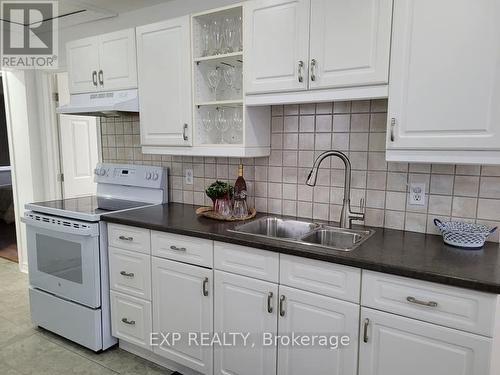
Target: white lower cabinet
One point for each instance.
(311, 314)
(183, 303)
(395, 345)
(245, 305)
(131, 319)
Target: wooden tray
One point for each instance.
(210, 213)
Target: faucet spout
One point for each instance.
(346, 216)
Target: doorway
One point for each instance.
(8, 243)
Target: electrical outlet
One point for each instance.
(417, 194)
(188, 178)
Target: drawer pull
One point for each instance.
(282, 305)
(125, 238)
(205, 286)
(177, 248)
(269, 302)
(127, 274)
(365, 330)
(129, 322)
(422, 303)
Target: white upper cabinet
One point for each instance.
(83, 64)
(350, 42)
(445, 82)
(118, 67)
(297, 45)
(102, 63)
(277, 45)
(163, 60)
(394, 345)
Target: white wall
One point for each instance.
(170, 9)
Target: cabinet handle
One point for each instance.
(94, 78)
(422, 303)
(393, 125)
(365, 330)
(129, 322)
(205, 286)
(184, 132)
(124, 238)
(282, 305)
(301, 65)
(177, 248)
(101, 77)
(313, 69)
(269, 302)
(127, 274)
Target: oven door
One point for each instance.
(63, 257)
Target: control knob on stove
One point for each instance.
(155, 176)
(148, 176)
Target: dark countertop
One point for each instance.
(410, 254)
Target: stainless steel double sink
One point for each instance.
(306, 233)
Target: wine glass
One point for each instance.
(229, 34)
(237, 119)
(213, 79)
(208, 123)
(229, 74)
(239, 32)
(222, 124)
(217, 37)
(205, 35)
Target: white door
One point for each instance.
(445, 75)
(309, 313)
(79, 154)
(117, 56)
(350, 42)
(276, 41)
(183, 302)
(395, 345)
(83, 64)
(245, 305)
(164, 77)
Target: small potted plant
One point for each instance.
(221, 194)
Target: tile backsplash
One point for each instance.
(299, 134)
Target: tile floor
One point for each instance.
(28, 350)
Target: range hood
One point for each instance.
(105, 104)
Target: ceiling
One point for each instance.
(74, 12)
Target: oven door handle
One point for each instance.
(57, 226)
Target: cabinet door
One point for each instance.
(83, 64)
(445, 75)
(395, 345)
(312, 314)
(164, 77)
(183, 303)
(276, 41)
(350, 42)
(117, 57)
(245, 305)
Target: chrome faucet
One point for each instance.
(346, 215)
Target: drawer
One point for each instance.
(129, 238)
(130, 272)
(185, 249)
(246, 261)
(325, 278)
(131, 319)
(449, 306)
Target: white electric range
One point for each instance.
(68, 255)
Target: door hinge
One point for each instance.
(60, 177)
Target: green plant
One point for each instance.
(219, 189)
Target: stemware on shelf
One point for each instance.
(229, 34)
(237, 119)
(229, 74)
(222, 124)
(217, 37)
(206, 39)
(213, 79)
